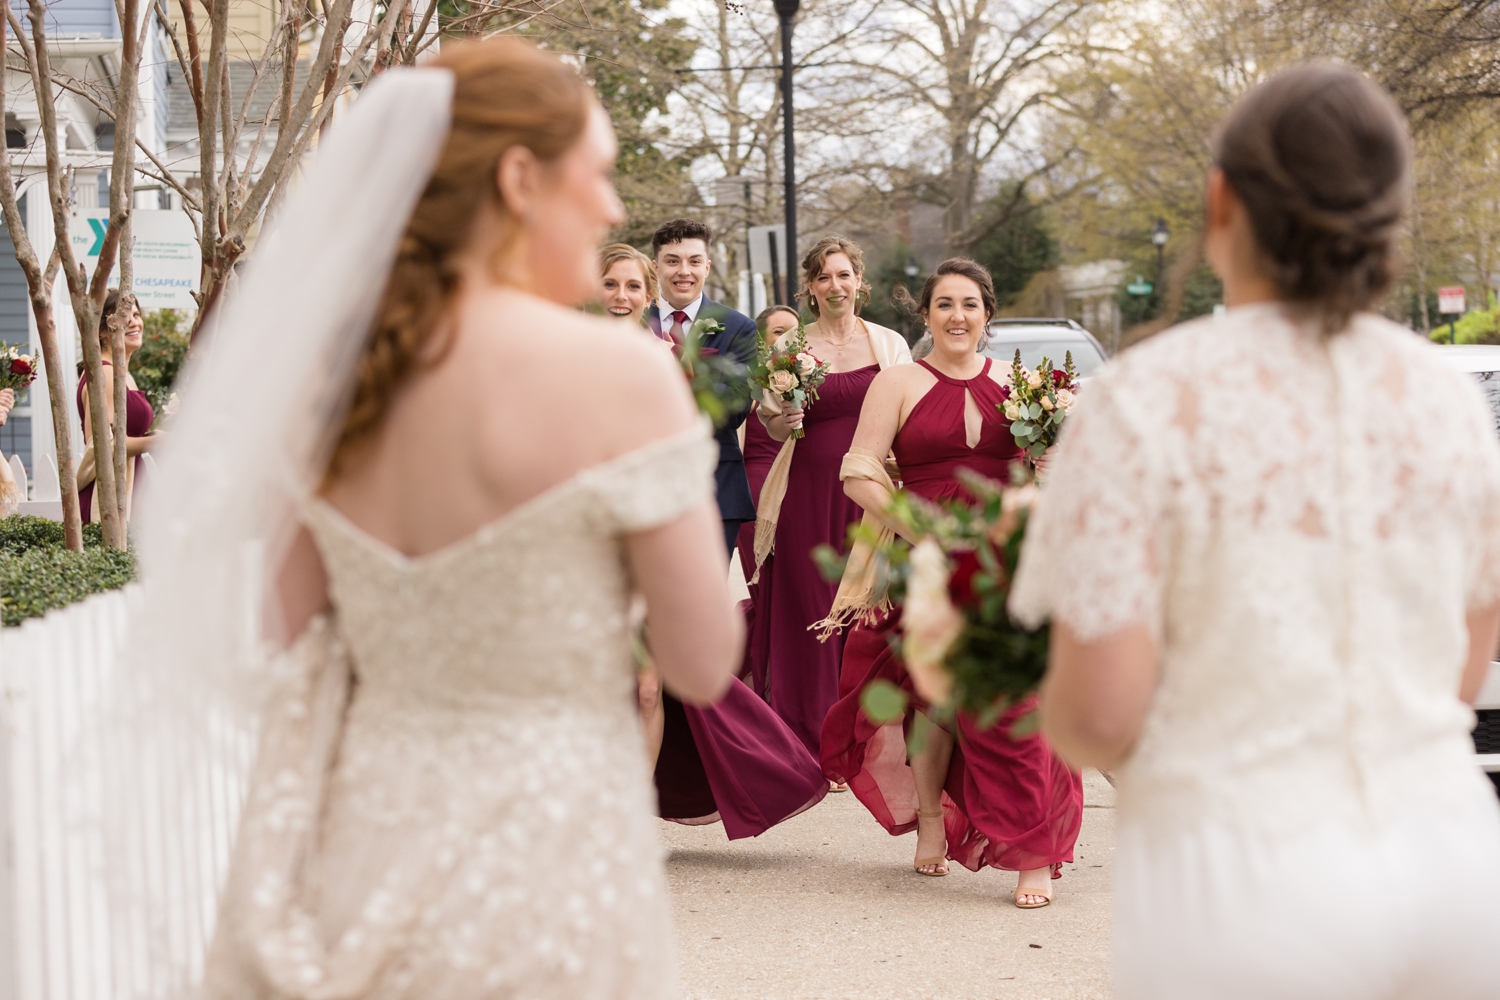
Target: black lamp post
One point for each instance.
(912, 268)
(787, 10)
(1159, 236)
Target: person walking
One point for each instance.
(139, 413)
(1269, 550)
(682, 269)
(976, 795)
(801, 505)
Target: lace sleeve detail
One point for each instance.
(1484, 587)
(1090, 556)
(657, 484)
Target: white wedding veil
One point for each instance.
(263, 400)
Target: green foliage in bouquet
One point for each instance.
(38, 574)
(962, 648)
(720, 384)
(1037, 402)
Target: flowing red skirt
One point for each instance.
(734, 761)
(1007, 803)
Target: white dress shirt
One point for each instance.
(665, 310)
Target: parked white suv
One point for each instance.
(1053, 338)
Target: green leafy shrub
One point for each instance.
(37, 574)
(164, 347)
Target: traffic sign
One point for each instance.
(1140, 286)
(1451, 300)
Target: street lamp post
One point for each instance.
(787, 11)
(1159, 236)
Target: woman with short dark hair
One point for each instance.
(1269, 548)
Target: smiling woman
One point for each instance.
(627, 281)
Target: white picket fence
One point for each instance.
(80, 918)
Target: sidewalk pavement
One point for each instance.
(826, 906)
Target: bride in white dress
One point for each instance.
(453, 482)
(1270, 550)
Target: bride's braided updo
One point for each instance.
(1321, 158)
(505, 93)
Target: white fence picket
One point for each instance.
(62, 891)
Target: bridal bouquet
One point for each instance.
(959, 643)
(789, 372)
(1037, 402)
(17, 370)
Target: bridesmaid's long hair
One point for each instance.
(505, 93)
(1321, 157)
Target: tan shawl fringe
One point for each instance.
(890, 348)
(857, 600)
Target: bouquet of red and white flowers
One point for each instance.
(17, 370)
(1037, 402)
(789, 372)
(959, 643)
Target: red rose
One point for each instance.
(961, 580)
(19, 367)
(1059, 376)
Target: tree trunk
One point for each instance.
(62, 423)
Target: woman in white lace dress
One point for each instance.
(451, 798)
(1270, 551)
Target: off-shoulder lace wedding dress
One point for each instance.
(1303, 524)
(452, 799)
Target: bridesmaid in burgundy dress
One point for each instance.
(734, 760)
(760, 453)
(976, 796)
(801, 505)
(139, 413)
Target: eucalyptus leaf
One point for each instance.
(883, 702)
(1019, 427)
(1035, 410)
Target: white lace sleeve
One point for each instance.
(657, 484)
(1090, 556)
(1484, 586)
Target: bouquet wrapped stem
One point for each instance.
(788, 372)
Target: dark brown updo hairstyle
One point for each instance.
(1321, 157)
(106, 313)
(505, 93)
(812, 266)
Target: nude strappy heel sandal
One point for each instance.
(1046, 895)
(921, 863)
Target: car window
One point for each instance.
(1086, 357)
(1489, 383)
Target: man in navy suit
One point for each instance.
(682, 266)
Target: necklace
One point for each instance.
(839, 345)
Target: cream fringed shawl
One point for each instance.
(861, 592)
(890, 348)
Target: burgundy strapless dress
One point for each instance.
(1008, 803)
(138, 417)
(799, 675)
(736, 761)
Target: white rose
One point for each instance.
(1012, 411)
(1066, 399)
(1046, 402)
(782, 382)
(1034, 380)
(930, 621)
(806, 363)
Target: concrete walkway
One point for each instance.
(826, 906)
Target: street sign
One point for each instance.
(1140, 286)
(1451, 300)
(167, 260)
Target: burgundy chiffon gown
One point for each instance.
(799, 675)
(1007, 803)
(138, 417)
(760, 450)
(736, 761)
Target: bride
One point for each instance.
(450, 796)
(1270, 550)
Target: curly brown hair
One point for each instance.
(1321, 158)
(505, 93)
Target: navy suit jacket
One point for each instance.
(737, 341)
